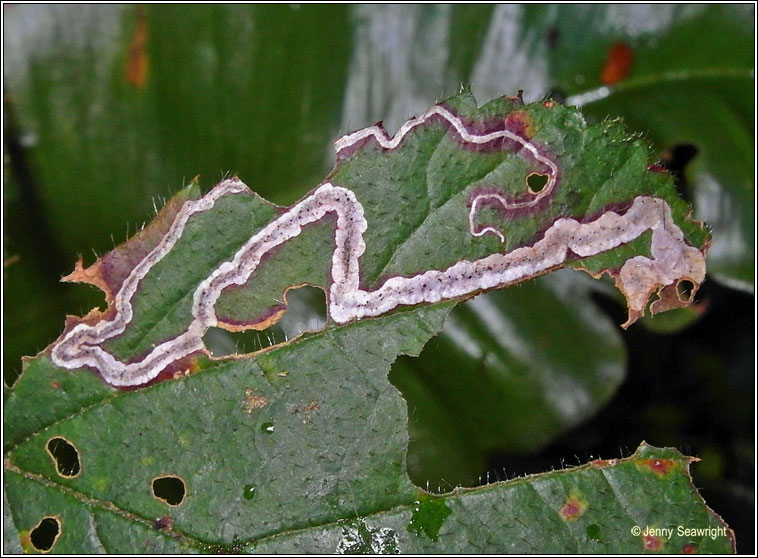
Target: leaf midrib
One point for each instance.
(661, 78)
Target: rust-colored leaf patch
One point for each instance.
(520, 123)
(660, 467)
(137, 61)
(617, 64)
(307, 410)
(574, 507)
(163, 523)
(652, 543)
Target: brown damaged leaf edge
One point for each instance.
(269, 317)
(120, 272)
(678, 464)
(638, 286)
(137, 61)
(109, 271)
(92, 275)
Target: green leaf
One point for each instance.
(690, 83)
(100, 147)
(310, 434)
(203, 429)
(416, 216)
(594, 508)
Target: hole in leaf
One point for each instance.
(684, 290)
(44, 535)
(221, 342)
(65, 456)
(535, 182)
(306, 311)
(170, 489)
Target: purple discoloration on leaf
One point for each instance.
(564, 237)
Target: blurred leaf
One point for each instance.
(28, 267)
(234, 94)
(677, 319)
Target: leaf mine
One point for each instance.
(531, 185)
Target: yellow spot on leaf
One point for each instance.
(574, 507)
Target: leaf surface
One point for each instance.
(117, 106)
(295, 444)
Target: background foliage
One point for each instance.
(110, 109)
